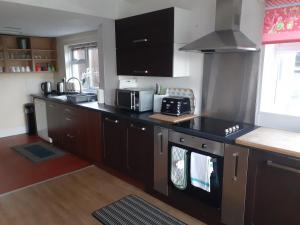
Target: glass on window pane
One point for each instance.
(281, 79)
(87, 70)
(79, 54)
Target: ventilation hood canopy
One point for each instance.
(227, 37)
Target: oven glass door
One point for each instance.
(196, 174)
(125, 99)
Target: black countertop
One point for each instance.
(183, 127)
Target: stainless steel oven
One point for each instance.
(139, 100)
(224, 200)
(195, 168)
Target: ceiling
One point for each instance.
(60, 18)
(36, 21)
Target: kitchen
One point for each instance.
(161, 112)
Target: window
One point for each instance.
(84, 65)
(280, 92)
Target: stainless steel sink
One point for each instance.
(76, 98)
(81, 98)
(59, 97)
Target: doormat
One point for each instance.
(39, 151)
(133, 210)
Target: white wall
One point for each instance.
(15, 90)
(107, 57)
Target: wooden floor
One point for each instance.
(16, 171)
(71, 199)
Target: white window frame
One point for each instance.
(269, 119)
(69, 61)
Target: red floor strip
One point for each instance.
(16, 171)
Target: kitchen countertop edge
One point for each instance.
(249, 140)
(139, 117)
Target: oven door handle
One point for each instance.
(132, 100)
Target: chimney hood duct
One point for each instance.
(227, 37)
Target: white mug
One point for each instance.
(13, 69)
(23, 69)
(18, 70)
(28, 69)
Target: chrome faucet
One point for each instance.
(74, 78)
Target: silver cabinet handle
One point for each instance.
(138, 128)
(141, 71)
(68, 119)
(236, 164)
(67, 110)
(111, 121)
(282, 167)
(161, 147)
(140, 40)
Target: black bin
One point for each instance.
(30, 118)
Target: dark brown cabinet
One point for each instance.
(273, 189)
(128, 148)
(150, 29)
(140, 152)
(144, 61)
(75, 130)
(114, 142)
(148, 44)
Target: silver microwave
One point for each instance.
(135, 99)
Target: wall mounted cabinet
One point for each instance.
(148, 44)
(38, 54)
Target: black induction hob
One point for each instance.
(217, 127)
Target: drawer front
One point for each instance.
(151, 29)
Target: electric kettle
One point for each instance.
(46, 88)
(61, 87)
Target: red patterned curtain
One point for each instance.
(282, 21)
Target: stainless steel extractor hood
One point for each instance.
(227, 37)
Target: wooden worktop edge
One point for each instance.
(268, 148)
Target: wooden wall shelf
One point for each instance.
(40, 54)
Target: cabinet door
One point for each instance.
(55, 124)
(273, 190)
(114, 141)
(139, 152)
(92, 150)
(156, 61)
(150, 29)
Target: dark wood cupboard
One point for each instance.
(147, 44)
(140, 152)
(149, 29)
(273, 189)
(144, 61)
(128, 148)
(114, 142)
(75, 130)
